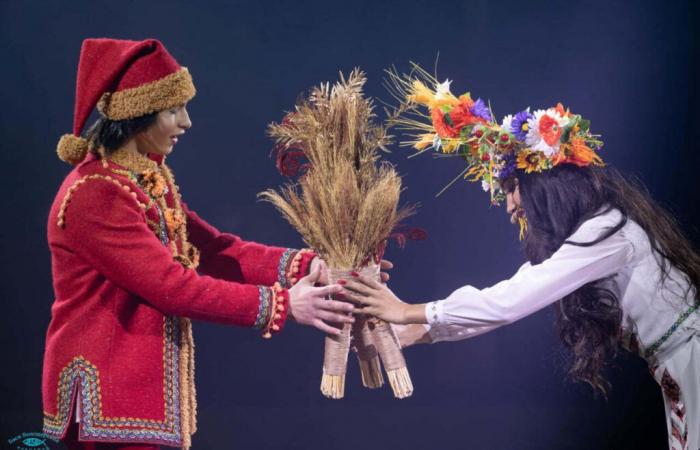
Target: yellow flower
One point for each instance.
(424, 141)
(531, 161)
(421, 94)
(449, 145)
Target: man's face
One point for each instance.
(161, 137)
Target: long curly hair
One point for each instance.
(556, 202)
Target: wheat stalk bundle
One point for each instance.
(345, 206)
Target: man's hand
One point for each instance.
(308, 304)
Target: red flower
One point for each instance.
(442, 128)
(549, 130)
(462, 116)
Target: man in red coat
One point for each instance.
(132, 265)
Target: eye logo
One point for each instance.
(33, 441)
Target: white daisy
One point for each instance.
(437, 143)
(506, 124)
(534, 139)
(485, 185)
(443, 88)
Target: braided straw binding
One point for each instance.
(367, 356)
(389, 350)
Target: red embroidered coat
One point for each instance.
(119, 341)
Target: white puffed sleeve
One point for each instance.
(468, 311)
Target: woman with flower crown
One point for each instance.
(132, 264)
(618, 265)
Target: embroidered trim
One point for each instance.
(292, 265)
(655, 346)
(156, 180)
(188, 399)
(179, 390)
(283, 266)
(263, 315)
(66, 199)
(279, 300)
(82, 374)
(678, 438)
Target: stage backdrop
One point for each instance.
(627, 66)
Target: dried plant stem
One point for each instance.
(335, 363)
(367, 356)
(389, 350)
(345, 205)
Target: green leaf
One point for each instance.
(448, 120)
(585, 125)
(566, 132)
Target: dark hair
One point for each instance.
(112, 134)
(556, 202)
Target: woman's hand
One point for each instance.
(318, 263)
(378, 301)
(308, 304)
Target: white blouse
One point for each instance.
(657, 316)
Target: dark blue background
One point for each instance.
(630, 67)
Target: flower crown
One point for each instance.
(459, 126)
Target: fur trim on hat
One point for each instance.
(72, 149)
(172, 90)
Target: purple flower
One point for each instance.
(479, 109)
(519, 124)
(508, 167)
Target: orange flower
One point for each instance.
(442, 128)
(153, 183)
(174, 220)
(560, 109)
(549, 130)
(578, 153)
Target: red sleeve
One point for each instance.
(228, 257)
(107, 228)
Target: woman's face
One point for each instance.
(512, 190)
(161, 137)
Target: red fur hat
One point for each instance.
(125, 80)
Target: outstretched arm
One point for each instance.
(470, 311)
(107, 228)
(228, 257)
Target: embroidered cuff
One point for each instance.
(277, 310)
(264, 310)
(433, 312)
(294, 264)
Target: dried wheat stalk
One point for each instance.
(345, 204)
